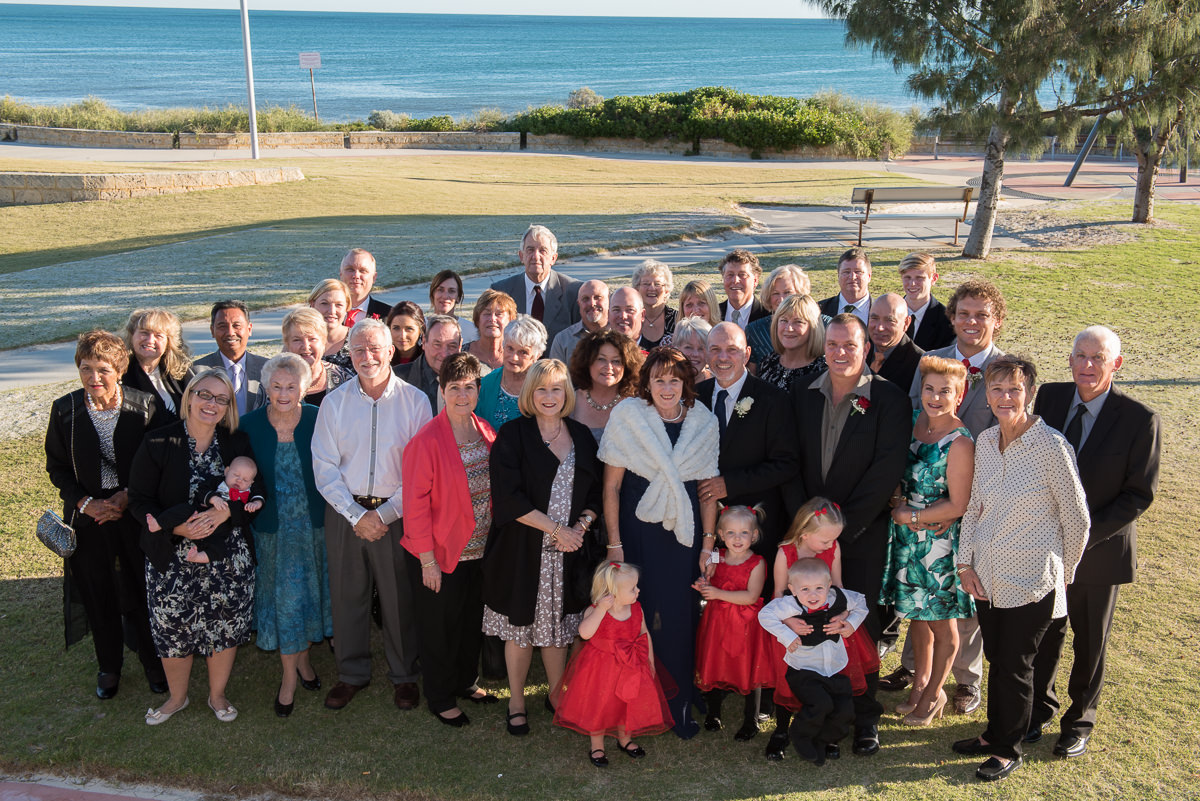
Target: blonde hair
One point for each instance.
(804, 307)
(793, 271)
(918, 261)
(699, 288)
(177, 358)
(811, 516)
(754, 513)
(543, 372)
(950, 368)
(810, 567)
(230, 420)
(331, 285)
(604, 580)
(307, 320)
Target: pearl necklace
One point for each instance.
(91, 402)
(674, 419)
(600, 407)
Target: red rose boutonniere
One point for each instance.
(859, 405)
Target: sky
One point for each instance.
(610, 8)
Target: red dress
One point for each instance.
(862, 656)
(732, 650)
(610, 684)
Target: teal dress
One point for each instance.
(919, 577)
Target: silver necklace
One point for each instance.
(600, 407)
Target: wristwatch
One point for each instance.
(915, 514)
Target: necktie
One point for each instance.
(1074, 430)
(538, 309)
(847, 309)
(239, 393)
(352, 317)
(722, 420)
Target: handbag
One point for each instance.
(55, 534)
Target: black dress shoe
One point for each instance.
(517, 729)
(456, 722)
(994, 770)
(282, 710)
(898, 679)
(598, 758)
(866, 740)
(107, 685)
(777, 745)
(158, 687)
(313, 684)
(972, 746)
(833, 751)
(1034, 735)
(1071, 745)
(748, 731)
(713, 723)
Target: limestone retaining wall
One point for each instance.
(71, 137)
(295, 139)
(433, 140)
(25, 188)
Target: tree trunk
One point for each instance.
(1148, 159)
(979, 243)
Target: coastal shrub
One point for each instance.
(584, 97)
(92, 113)
(388, 121)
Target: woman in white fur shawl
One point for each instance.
(655, 449)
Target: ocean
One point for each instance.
(419, 64)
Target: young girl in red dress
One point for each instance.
(813, 533)
(733, 652)
(610, 686)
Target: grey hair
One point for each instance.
(795, 272)
(526, 332)
(1107, 338)
(692, 327)
(442, 319)
(289, 363)
(655, 268)
(306, 319)
(367, 325)
(540, 232)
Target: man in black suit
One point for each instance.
(741, 272)
(929, 326)
(549, 296)
(444, 337)
(1118, 441)
(358, 274)
(853, 430)
(854, 283)
(231, 329)
(893, 355)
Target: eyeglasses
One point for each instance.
(208, 397)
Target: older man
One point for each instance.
(1118, 441)
(358, 273)
(357, 448)
(627, 312)
(893, 355)
(854, 283)
(443, 338)
(230, 325)
(593, 318)
(854, 429)
(740, 273)
(548, 296)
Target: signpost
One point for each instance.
(250, 81)
(310, 62)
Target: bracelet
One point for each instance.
(83, 509)
(708, 534)
(962, 570)
(429, 564)
(614, 547)
(554, 534)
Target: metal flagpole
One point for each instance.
(250, 81)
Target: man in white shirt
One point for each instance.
(593, 318)
(357, 448)
(358, 274)
(626, 311)
(541, 292)
(854, 281)
(231, 329)
(740, 273)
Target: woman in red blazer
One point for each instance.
(447, 515)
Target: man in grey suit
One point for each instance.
(976, 310)
(444, 338)
(231, 328)
(548, 296)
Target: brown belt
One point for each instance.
(369, 502)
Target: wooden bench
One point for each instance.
(870, 197)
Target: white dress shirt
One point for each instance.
(359, 442)
(529, 295)
(735, 392)
(740, 316)
(826, 658)
(862, 309)
(237, 376)
(919, 314)
(1027, 522)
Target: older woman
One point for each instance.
(331, 299)
(90, 442)
(195, 608)
(656, 448)
(524, 342)
(545, 493)
(653, 280)
(604, 369)
(783, 282)
(406, 322)
(493, 312)
(923, 536)
(304, 335)
(698, 299)
(161, 364)
(1023, 534)
(691, 337)
(292, 607)
(797, 342)
(447, 517)
(445, 296)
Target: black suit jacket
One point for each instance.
(830, 308)
(901, 364)
(136, 377)
(870, 458)
(1118, 467)
(420, 375)
(159, 482)
(758, 455)
(377, 308)
(935, 331)
(757, 310)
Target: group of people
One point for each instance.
(673, 505)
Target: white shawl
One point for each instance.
(636, 439)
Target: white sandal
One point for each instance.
(157, 716)
(226, 715)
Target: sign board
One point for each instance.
(310, 61)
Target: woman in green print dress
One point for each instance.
(919, 574)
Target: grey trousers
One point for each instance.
(355, 567)
(968, 662)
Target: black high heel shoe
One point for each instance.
(282, 710)
(313, 684)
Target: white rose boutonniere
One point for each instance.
(742, 407)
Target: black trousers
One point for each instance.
(827, 709)
(1011, 638)
(109, 571)
(449, 631)
(865, 575)
(1090, 610)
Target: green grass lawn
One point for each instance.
(1146, 745)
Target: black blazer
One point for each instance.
(757, 310)
(420, 375)
(522, 470)
(1118, 467)
(867, 465)
(830, 308)
(935, 331)
(901, 364)
(758, 455)
(159, 480)
(377, 308)
(136, 377)
(138, 415)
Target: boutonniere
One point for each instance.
(742, 407)
(974, 374)
(859, 405)
(375, 317)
